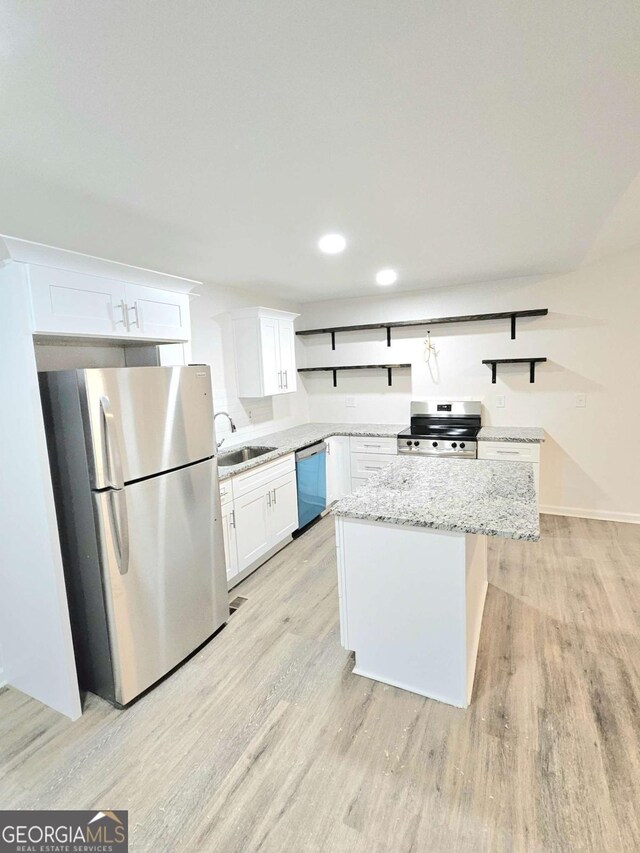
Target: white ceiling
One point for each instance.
(217, 139)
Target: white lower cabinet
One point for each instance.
(252, 527)
(259, 510)
(513, 451)
(282, 508)
(229, 538)
(338, 467)
(370, 455)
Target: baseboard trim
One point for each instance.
(597, 515)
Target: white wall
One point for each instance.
(591, 462)
(212, 343)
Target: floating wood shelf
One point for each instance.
(494, 362)
(434, 321)
(388, 367)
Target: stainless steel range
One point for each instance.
(440, 428)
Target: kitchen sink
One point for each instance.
(244, 454)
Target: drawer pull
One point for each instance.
(516, 452)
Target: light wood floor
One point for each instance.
(266, 740)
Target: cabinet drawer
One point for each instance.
(366, 444)
(356, 482)
(367, 464)
(510, 451)
(226, 492)
(257, 477)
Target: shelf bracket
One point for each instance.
(335, 378)
(494, 372)
(333, 340)
(389, 376)
(389, 338)
(513, 327)
(532, 372)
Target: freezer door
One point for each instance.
(162, 562)
(141, 421)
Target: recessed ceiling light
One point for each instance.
(332, 244)
(386, 277)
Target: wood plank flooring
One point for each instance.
(266, 741)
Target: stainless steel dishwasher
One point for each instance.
(311, 474)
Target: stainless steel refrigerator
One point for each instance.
(132, 454)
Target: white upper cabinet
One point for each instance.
(72, 303)
(264, 345)
(161, 315)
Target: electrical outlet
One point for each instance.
(581, 401)
(500, 401)
(350, 402)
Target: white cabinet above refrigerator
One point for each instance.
(71, 303)
(264, 345)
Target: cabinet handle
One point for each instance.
(232, 518)
(516, 452)
(274, 498)
(373, 467)
(279, 379)
(123, 307)
(286, 381)
(135, 322)
(370, 445)
(269, 498)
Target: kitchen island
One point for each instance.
(412, 567)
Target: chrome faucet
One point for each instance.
(233, 427)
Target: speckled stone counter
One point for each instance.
(295, 438)
(461, 495)
(525, 434)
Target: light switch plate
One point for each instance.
(581, 401)
(350, 402)
(500, 401)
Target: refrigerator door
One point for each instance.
(163, 572)
(141, 421)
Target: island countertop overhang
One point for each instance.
(475, 496)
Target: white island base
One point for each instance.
(411, 603)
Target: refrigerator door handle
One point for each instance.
(111, 449)
(120, 525)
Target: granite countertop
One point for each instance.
(460, 495)
(527, 434)
(290, 440)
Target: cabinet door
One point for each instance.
(338, 467)
(286, 341)
(252, 531)
(157, 314)
(282, 505)
(229, 537)
(270, 352)
(68, 303)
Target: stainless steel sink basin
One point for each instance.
(235, 457)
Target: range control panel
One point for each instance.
(438, 447)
